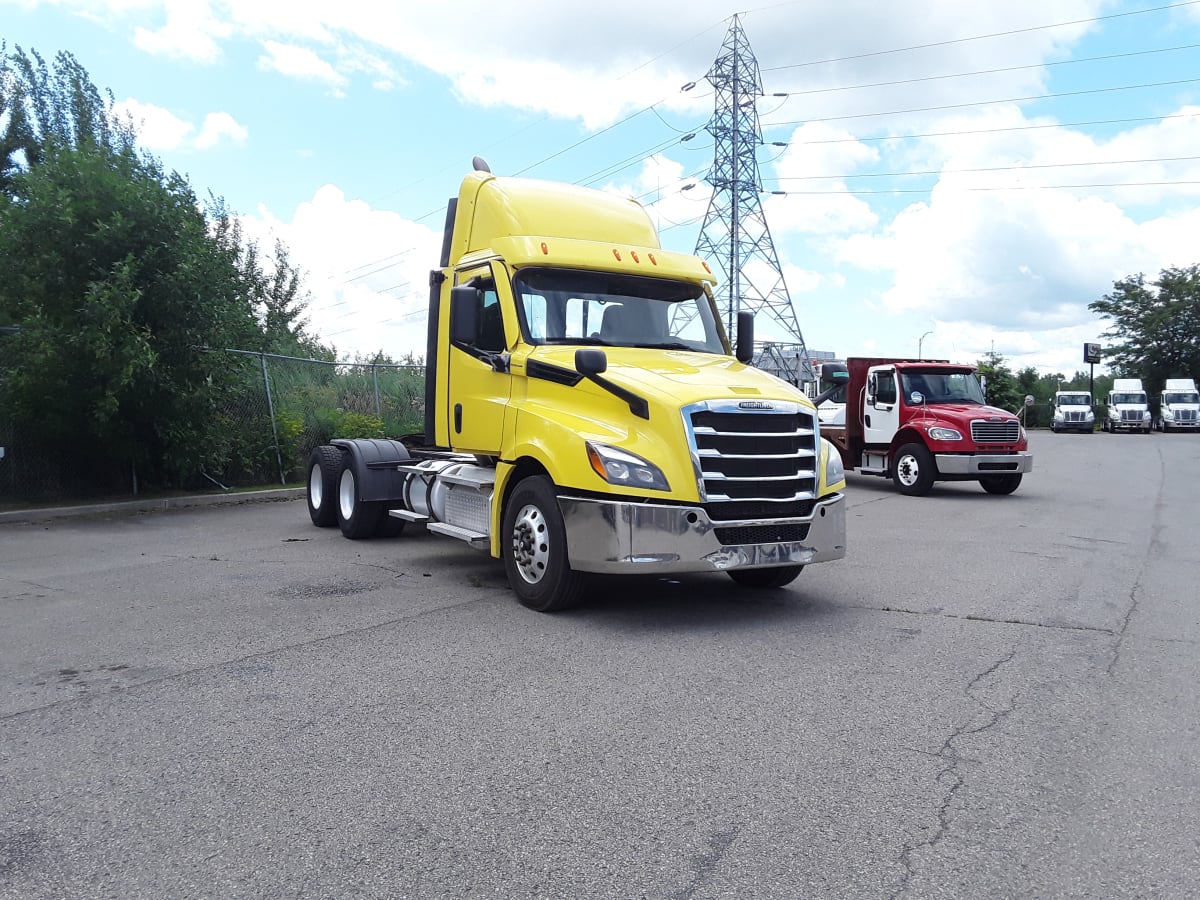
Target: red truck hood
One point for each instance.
(960, 412)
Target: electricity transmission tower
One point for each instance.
(735, 234)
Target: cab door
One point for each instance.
(881, 411)
(479, 383)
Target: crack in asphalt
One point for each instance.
(977, 618)
(223, 664)
(706, 863)
(950, 774)
(1154, 549)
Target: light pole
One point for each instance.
(920, 341)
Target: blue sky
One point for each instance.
(956, 176)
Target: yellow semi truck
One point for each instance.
(584, 412)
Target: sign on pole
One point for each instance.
(1091, 353)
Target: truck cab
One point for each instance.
(920, 421)
(831, 388)
(1127, 407)
(585, 412)
(1179, 406)
(1073, 412)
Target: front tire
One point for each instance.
(1000, 484)
(765, 578)
(356, 518)
(324, 464)
(534, 543)
(913, 470)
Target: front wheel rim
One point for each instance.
(531, 544)
(909, 471)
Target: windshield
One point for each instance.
(1135, 399)
(563, 306)
(942, 387)
(1074, 400)
(1183, 397)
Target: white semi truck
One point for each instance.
(1127, 407)
(1073, 412)
(1179, 406)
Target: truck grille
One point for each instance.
(1074, 416)
(754, 464)
(1131, 415)
(1185, 416)
(984, 432)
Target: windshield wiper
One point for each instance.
(666, 345)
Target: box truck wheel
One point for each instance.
(1000, 484)
(913, 470)
(534, 543)
(765, 578)
(356, 518)
(324, 465)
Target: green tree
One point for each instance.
(1155, 326)
(116, 275)
(1003, 390)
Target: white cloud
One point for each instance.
(157, 128)
(819, 201)
(218, 126)
(300, 62)
(160, 129)
(367, 270)
(191, 31)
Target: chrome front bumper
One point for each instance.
(616, 537)
(984, 464)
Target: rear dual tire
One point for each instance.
(333, 498)
(324, 464)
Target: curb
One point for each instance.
(163, 503)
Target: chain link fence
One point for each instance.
(281, 407)
(290, 405)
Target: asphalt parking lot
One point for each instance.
(989, 697)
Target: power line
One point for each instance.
(1016, 168)
(982, 37)
(1015, 187)
(898, 112)
(970, 131)
(1042, 65)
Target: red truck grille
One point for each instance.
(985, 432)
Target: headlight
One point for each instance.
(1146, 414)
(944, 434)
(624, 468)
(834, 470)
(1089, 415)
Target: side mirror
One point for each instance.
(1029, 399)
(464, 314)
(916, 398)
(590, 361)
(745, 337)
